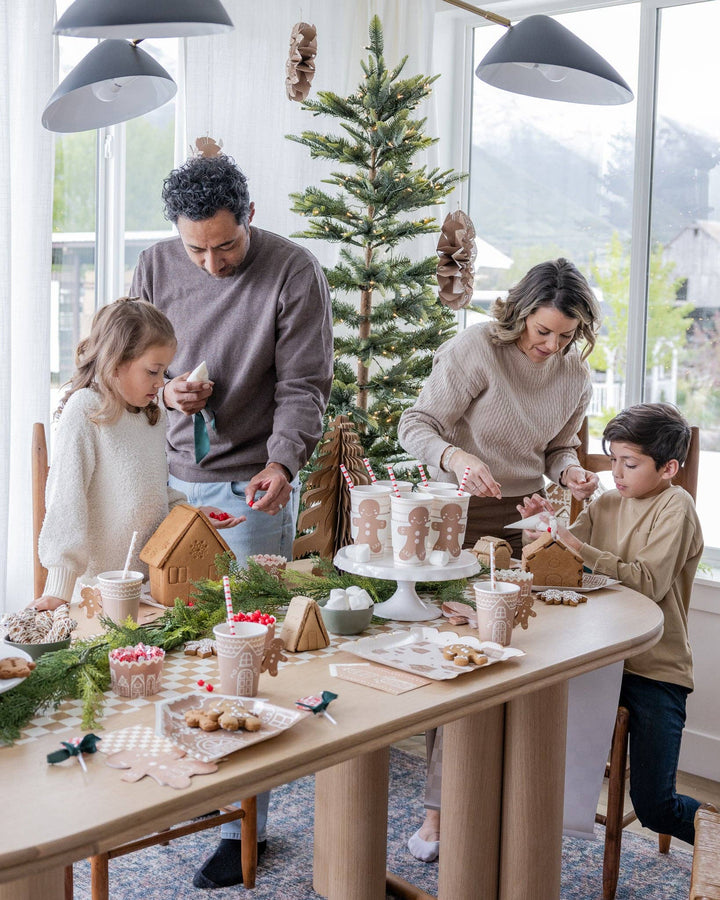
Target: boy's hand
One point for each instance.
(47, 601)
(187, 396)
(581, 483)
(569, 539)
(531, 506)
(219, 518)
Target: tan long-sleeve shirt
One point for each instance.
(652, 545)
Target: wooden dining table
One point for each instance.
(503, 768)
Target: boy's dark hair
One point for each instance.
(203, 186)
(659, 429)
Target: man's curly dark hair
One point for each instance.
(203, 186)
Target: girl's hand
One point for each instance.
(47, 601)
(220, 519)
(480, 481)
(581, 483)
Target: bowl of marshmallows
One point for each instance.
(347, 610)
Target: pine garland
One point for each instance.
(82, 671)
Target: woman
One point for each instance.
(505, 400)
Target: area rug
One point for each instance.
(285, 871)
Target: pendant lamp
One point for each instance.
(115, 82)
(141, 19)
(539, 57)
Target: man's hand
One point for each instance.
(187, 396)
(479, 481)
(219, 518)
(274, 481)
(581, 483)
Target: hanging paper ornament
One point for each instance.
(456, 260)
(207, 147)
(300, 66)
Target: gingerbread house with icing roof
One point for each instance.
(552, 563)
(181, 551)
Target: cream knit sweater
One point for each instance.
(519, 417)
(105, 482)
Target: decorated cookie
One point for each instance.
(464, 655)
(566, 598)
(15, 667)
(202, 649)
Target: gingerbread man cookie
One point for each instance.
(464, 655)
(15, 667)
(449, 529)
(368, 525)
(273, 656)
(415, 533)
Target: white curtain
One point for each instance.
(235, 89)
(26, 177)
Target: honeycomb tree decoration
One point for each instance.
(324, 523)
(300, 66)
(456, 260)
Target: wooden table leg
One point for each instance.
(50, 885)
(471, 803)
(248, 843)
(350, 847)
(533, 791)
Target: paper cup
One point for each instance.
(496, 610)
(370, 517)
(120, 596)
(405, 487)
(524, 581)
(239, 657)
(435, 487)
(410, 521)
(141, 678)
(448, 521)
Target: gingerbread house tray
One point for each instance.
(209, 746)
(591, 582)
(419, 650)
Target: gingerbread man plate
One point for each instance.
(5, 651)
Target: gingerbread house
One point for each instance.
(552, 563)
(182, 550)
(503, 552)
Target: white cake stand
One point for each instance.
(405, 605)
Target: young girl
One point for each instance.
(109, 472)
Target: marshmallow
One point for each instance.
(359, 598)
(338, 599)
(439, 558)
(358, 552)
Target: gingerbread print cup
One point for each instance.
(370, 517)
(495, 607)
(448, 521)
(240, 657)
(410, 529)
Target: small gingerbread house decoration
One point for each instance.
(182, 550)
(552, 563)
(303, 628)
(503, 552)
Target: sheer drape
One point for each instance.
(235, 89)
(26, 176)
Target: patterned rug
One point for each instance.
(165, 873)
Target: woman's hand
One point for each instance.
(479, 481)
(581, 483)
(47, 601)
(220, 519)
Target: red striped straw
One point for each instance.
(347, 477)
(228, 604)
(423, 476)
(464, 479)
(370, 471)
(396, 489)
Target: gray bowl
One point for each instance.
(36, 650)
(346, 621)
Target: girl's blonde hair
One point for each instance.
(120, 332)
(556, 283)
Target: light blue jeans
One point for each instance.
(260, 534)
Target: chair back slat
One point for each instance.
(39, 463)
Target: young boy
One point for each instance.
(646, 533)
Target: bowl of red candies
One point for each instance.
(258, 618)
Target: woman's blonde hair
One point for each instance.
(556, 283)
(120, 332)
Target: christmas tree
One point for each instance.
(391, 320)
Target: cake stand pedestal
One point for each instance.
(405, 605)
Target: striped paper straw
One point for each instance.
(423, 476)
(228, 604)
(128, 558)
(396, 489)
(366, 461)
(346, 476)
(464, 479)
(492, 567)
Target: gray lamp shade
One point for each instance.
(140, 19)
(541, 58)
(115, 82)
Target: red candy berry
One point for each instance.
(200, 682)
(209, 687)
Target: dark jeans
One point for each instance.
(657, 718)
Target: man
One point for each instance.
(256, 308)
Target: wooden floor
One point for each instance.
(702, 788)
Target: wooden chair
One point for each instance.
(617, 769)
(99, 876)
(705, 878)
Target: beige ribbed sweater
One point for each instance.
(654, 546)
(519, 417)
